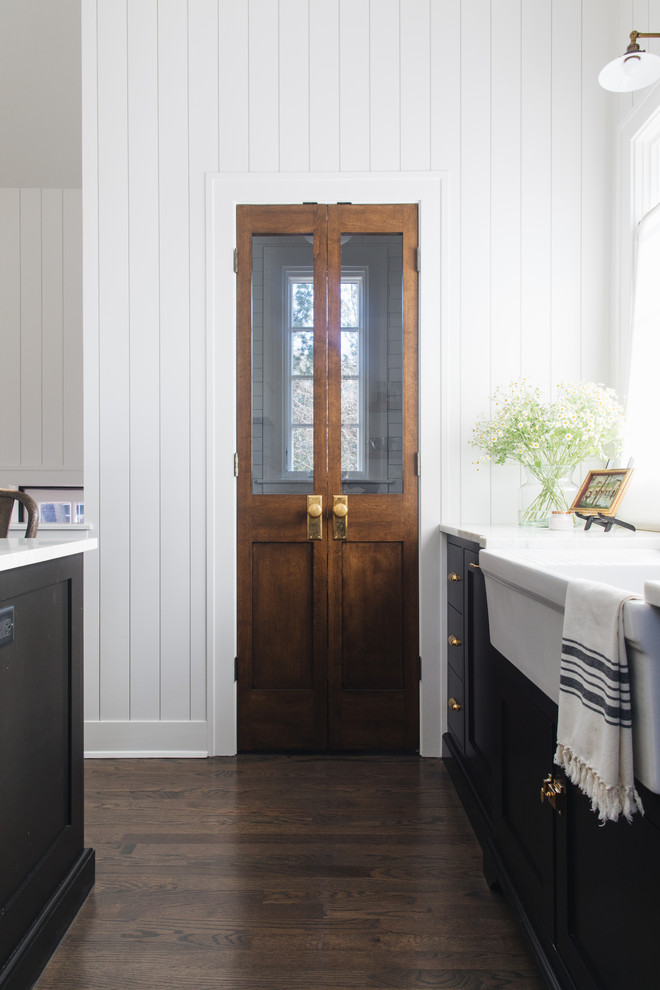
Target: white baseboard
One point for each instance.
(145, 740)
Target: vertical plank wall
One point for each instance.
(41, 440)
(500, 95)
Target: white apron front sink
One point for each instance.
(526, 592)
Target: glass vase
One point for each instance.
(547, 488)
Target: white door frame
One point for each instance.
(224, 192)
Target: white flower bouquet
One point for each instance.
(549, 439)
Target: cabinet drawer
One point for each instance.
(456, 715)
(455, 582)
(455, 640)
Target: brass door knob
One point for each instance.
(340, 517)
(454, 705)
(453, 576)
(454, 641)
(314, 517)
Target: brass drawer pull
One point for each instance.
(454, 705)
(476, 566)
(453, 576)
(453, 640)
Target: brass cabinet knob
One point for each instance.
(553, 791)
(453, 640)
(340, 509)
(453, 576)
(314, 510)
(454, 705)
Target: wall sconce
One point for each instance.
(635, 69)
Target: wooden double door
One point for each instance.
(327, 484)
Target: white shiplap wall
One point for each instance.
(498, 95)
(41, 440)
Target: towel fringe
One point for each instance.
(608, 800)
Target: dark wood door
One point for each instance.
(327, 424)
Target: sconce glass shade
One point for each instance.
(629, 72)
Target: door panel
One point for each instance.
(327, 407)
(372, 616)
(282, 651)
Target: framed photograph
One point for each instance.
(60, 505)
(602, 491)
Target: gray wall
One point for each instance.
(40, 87)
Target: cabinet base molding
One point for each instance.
(30, 957)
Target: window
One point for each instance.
(641, 416)
(299, 359)
(299, 456)
(352, 373)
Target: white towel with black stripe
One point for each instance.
(594, 731)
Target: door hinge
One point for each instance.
(236, 465)
(236, 261)
(418, 464)
(418, 259)
(235, 668)
(419, 664)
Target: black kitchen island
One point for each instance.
(46, 870)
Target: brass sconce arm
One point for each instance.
(634, 35)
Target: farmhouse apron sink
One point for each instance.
(526, 592)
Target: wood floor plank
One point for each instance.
(285, 873)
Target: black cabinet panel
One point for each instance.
(46, 872)
(455, 582)
(481, 663)
(471, 670)
(523, 826)
(455, 640)
(456, 708)
(608, 878)
(34, 732)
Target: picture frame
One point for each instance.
(58, 504)
(602, 491)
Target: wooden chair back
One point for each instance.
(7, 498)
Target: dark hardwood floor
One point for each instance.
(285, 873)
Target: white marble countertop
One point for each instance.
(519, 537)
(19, 552)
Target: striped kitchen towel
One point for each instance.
(594, 731)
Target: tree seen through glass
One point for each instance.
(301, 454)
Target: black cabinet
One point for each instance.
(471, 673)
(607, 895)
(481, 661)
(46, 871)
(587, 895)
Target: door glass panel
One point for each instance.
(282, 363)
(372, 363)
